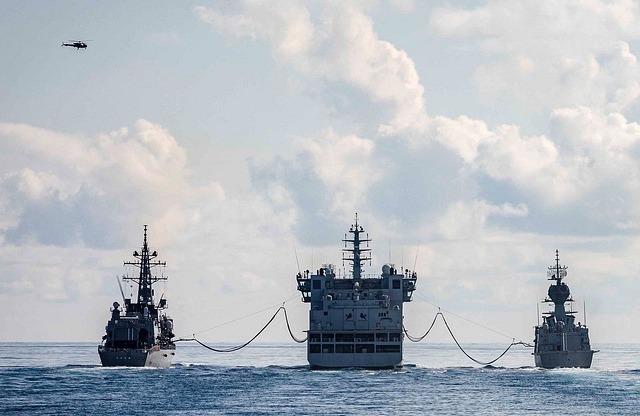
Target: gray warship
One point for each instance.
(139, 334)
(559, 341)
(355, 320)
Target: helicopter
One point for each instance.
(78, 44)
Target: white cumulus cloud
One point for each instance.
(549, 54)
(341, 45)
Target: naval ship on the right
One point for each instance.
(559, 342)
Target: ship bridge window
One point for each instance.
(314, 337)
(314, 348)
(381, 337)
(394, 337)
(327, 337)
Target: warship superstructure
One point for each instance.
(559, 341)
(138, 333)
(355, 320)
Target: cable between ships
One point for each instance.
(440, 314)
(300, 341)
(239, 347)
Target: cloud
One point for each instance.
(548, 54)
(465, 221)
(580, 179)
(604, 152)
(67, 198)
(428, 166)
(341, 46)
(73, 209)
(589, 159)
(532, 52)
(65, 190)
(328, 179)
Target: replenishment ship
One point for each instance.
(559, 341)
(138, 333)
(355, 320)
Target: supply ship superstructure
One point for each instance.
(559, 341)
(139, 334)
(355, 320)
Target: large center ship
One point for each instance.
(355, 320)
(559, 341)
(139, 335)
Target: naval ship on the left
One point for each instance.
(139, 335)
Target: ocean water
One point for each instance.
(267, 379)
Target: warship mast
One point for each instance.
(145, 280)
(558, 293)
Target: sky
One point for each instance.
(473, 139)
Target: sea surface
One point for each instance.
(267, 379)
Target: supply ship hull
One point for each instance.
(359, 349)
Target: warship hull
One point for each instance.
(564, 359)
(155, 357)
